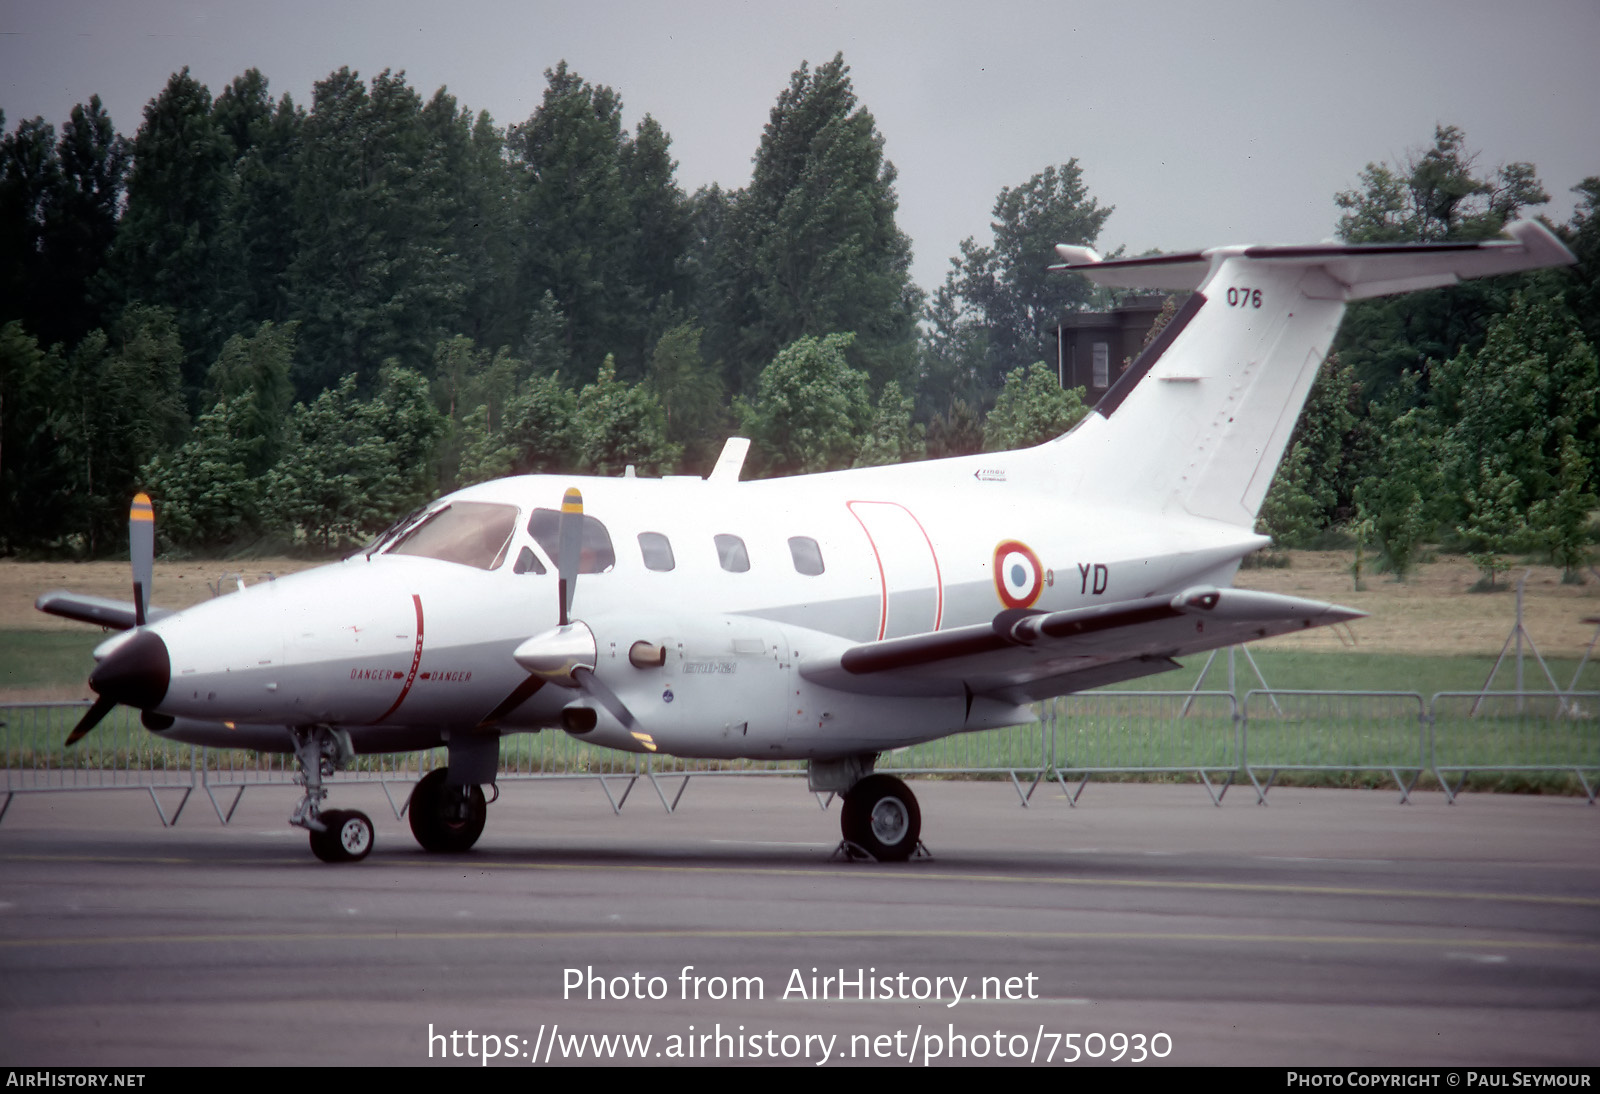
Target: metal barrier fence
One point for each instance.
(1335, 731)
(1209, 735)
(1144, 732)
(1515, 731)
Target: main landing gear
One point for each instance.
(880, 816)
(446, 818)
(338, 835)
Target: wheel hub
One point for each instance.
(354, 836)
(890, 821)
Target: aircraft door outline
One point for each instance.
(910, 580)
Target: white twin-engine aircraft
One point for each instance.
(828, 618)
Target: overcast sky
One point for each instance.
(1202, 123)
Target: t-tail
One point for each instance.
(1198, 423)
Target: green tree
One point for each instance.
(891, 435)
(1511, 403)
(1562, 517)
(80, 224)
(39, 503)
(205, 490)
(352, 467)
(1401, 500)
(1510, 411)
(956, 432)
(376, 273)
(691, 396)
(1582, 234)
(1437, 195)
(602, 223)
(534, 433)
(1293, 512)
(123, 405)
(30, 175)
(166, 248)
(811, 245)
(810, 410)
(258, 365)
(59, 203)
(1313, 489)
(256, 242)
(1495, 521)
(617, 424)
(471, 389)
(1032, 408)
(1000, 303)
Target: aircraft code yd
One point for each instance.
(827, 618)
(847, 984)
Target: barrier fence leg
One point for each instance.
(222, 817)
(399, 810)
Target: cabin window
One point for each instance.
(657, 551)
(596, 555)
(731, 553)
(1102, 364)
(472, 533)
(807, 555)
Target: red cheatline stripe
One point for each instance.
(416, 659)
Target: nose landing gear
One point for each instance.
(337, 835)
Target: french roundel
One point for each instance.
(1018, 577)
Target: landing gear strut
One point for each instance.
(446, 818)
(881, 817)
(337, 835)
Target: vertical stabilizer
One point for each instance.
(1199, 423)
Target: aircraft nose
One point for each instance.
(136, 673)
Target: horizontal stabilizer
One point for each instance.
(119, 615)
(1022, 655)
(1346, 271)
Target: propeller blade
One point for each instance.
(142, 548)
(591, 685)
(569, 544)
(102, 707)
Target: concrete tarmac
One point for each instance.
(1144, 927)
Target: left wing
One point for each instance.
(1026, 655)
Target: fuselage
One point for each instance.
(740, 581)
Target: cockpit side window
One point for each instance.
(731, 553)
(527, 562)
(472, 533)
(596, 556)
(657, 551)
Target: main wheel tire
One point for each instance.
(348, 837)
(443, 818)
(881, 817)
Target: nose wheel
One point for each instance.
(346, 838)
(881, 817)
